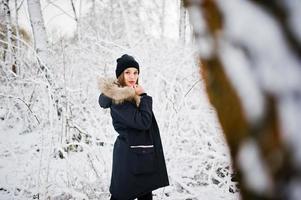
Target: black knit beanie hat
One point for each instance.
(125, 61)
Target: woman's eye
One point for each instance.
(127, 72)
(135, 73)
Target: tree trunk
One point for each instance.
(76, 18)
(17, 33)
(182, 24)
(266, 131)
(8, 52)
(39, 31)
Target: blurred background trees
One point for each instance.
(250, 61)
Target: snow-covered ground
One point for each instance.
(61, 148)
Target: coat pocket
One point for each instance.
(142, 159)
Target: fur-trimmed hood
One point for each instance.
(112, 89)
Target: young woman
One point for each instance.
(138, 159)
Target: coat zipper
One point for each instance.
(142, 146)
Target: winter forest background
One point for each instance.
(225, 78)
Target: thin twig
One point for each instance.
(9, 96)
(18, 7)
(92, 165)
(62, 10)
(191, 87)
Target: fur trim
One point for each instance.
(111, 88)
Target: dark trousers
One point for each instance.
(148, 196)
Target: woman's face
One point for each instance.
(131, 76)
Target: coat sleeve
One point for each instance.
(135, 117)
(104, 101)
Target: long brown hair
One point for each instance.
(121, 80)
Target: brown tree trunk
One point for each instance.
(266, 132)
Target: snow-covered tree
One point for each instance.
(182, 23)
(39, 31)
(56, 142)
(7, 54)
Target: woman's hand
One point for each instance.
(138, 89)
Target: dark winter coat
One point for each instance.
(138, 159)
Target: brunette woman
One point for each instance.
(138, 159)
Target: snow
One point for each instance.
(294, 190)
(260, 63)
(70, 155)
(294, 16)
(56, 142)
(270, 61)
(252, 166)
(235, 62)
(204, 42)
(38, 29)
(191, 136)
(268, 56)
